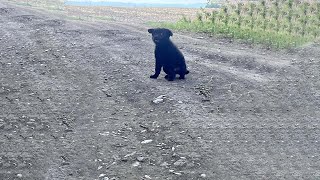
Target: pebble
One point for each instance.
(180, 162)
(141, 159)
(147, 177)
(159, 99)
(136, 164)
(146, 141)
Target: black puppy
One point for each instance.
(167, 55)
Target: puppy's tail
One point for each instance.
(187, 72)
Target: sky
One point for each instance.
(154, 1)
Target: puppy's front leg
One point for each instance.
(157, 71)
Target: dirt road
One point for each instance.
(76, 103)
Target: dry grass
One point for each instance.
(120, 14)
(131, 15)
(51, 4)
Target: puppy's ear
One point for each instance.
(150, 30)
(169, 32)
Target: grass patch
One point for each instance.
(273, 23)
(271, 39)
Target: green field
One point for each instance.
(274, 23)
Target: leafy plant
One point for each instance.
(276, 23)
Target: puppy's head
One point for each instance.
(160, 35)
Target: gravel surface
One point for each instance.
(77, 103)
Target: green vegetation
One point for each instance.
(275, 23)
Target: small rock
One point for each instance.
(102, 175)
(19, 175)
(180, 162)
(136, 164)
(146, 141)
(159, 99)
(203, 175)
(141, 159)
(147, 177)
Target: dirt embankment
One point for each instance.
(76, 103)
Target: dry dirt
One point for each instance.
(76, 103)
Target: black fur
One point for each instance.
(167, 55)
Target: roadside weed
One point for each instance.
(274, 23)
